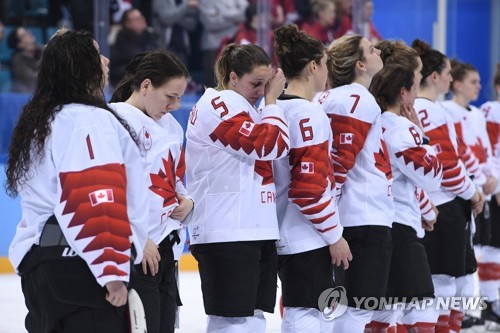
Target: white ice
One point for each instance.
(192, 316)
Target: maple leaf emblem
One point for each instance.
(265, 170)
(163, 183)
(146, 134)
(420, 159)
(382, 160)
(479, 151)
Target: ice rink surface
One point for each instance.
(192, 316)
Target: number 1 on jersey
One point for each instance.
(89, 147)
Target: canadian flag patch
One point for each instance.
(101, 196)
(346, 138)
(147, 142)
(438, 149)
(246, 128)
(306, 167)
(428, 159)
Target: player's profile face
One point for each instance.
(470, 86)
(252, 85)
(321, 74)
(371, 57)
(444, 79)
(164, 99)
(104, 65)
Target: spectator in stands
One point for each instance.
(24, 60)
(220, 19)
(173, 20)
(343, 22)
(370, 31)
(276, 11)
(289, 11)
(321, 25)
(247, 33)
(133, 38)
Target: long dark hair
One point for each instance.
(158, 66)
(387, 83)
(70, 72)
(432, 60)
(295, 49)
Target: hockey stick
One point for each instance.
(137, 315)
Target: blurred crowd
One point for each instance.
(196, 30)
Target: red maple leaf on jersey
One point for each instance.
(263, 138)
(264, 169)
(420, 159)
(107, 224)
(382, 160)
(181, 166)
(479, 151)
(163, 183)
(493, 130)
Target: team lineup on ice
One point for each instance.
(328, 188)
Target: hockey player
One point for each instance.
(448, 247)
(362, 174)
(78, 171)
(153, 87)
(229, 152)
(415, 168)
(470, 123)
(489, 266)
(310, 233)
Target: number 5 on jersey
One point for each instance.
(221, 104)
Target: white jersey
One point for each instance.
(470, 125)
(361, 162)
(440, 130)
(307, 212)
(229, 153)
(163, 157)
(415, 166)
(91, 178)
(491, 112)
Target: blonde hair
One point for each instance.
(343, 54)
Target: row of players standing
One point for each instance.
(101, 188)
(230, 146)
(396, 173)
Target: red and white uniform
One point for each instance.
(361, 161)
(163, 157)
(229, 153)
(471, 126)
(491, 112)
(440, 130)
(307, 212)
(91, 178)
(415, 166)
